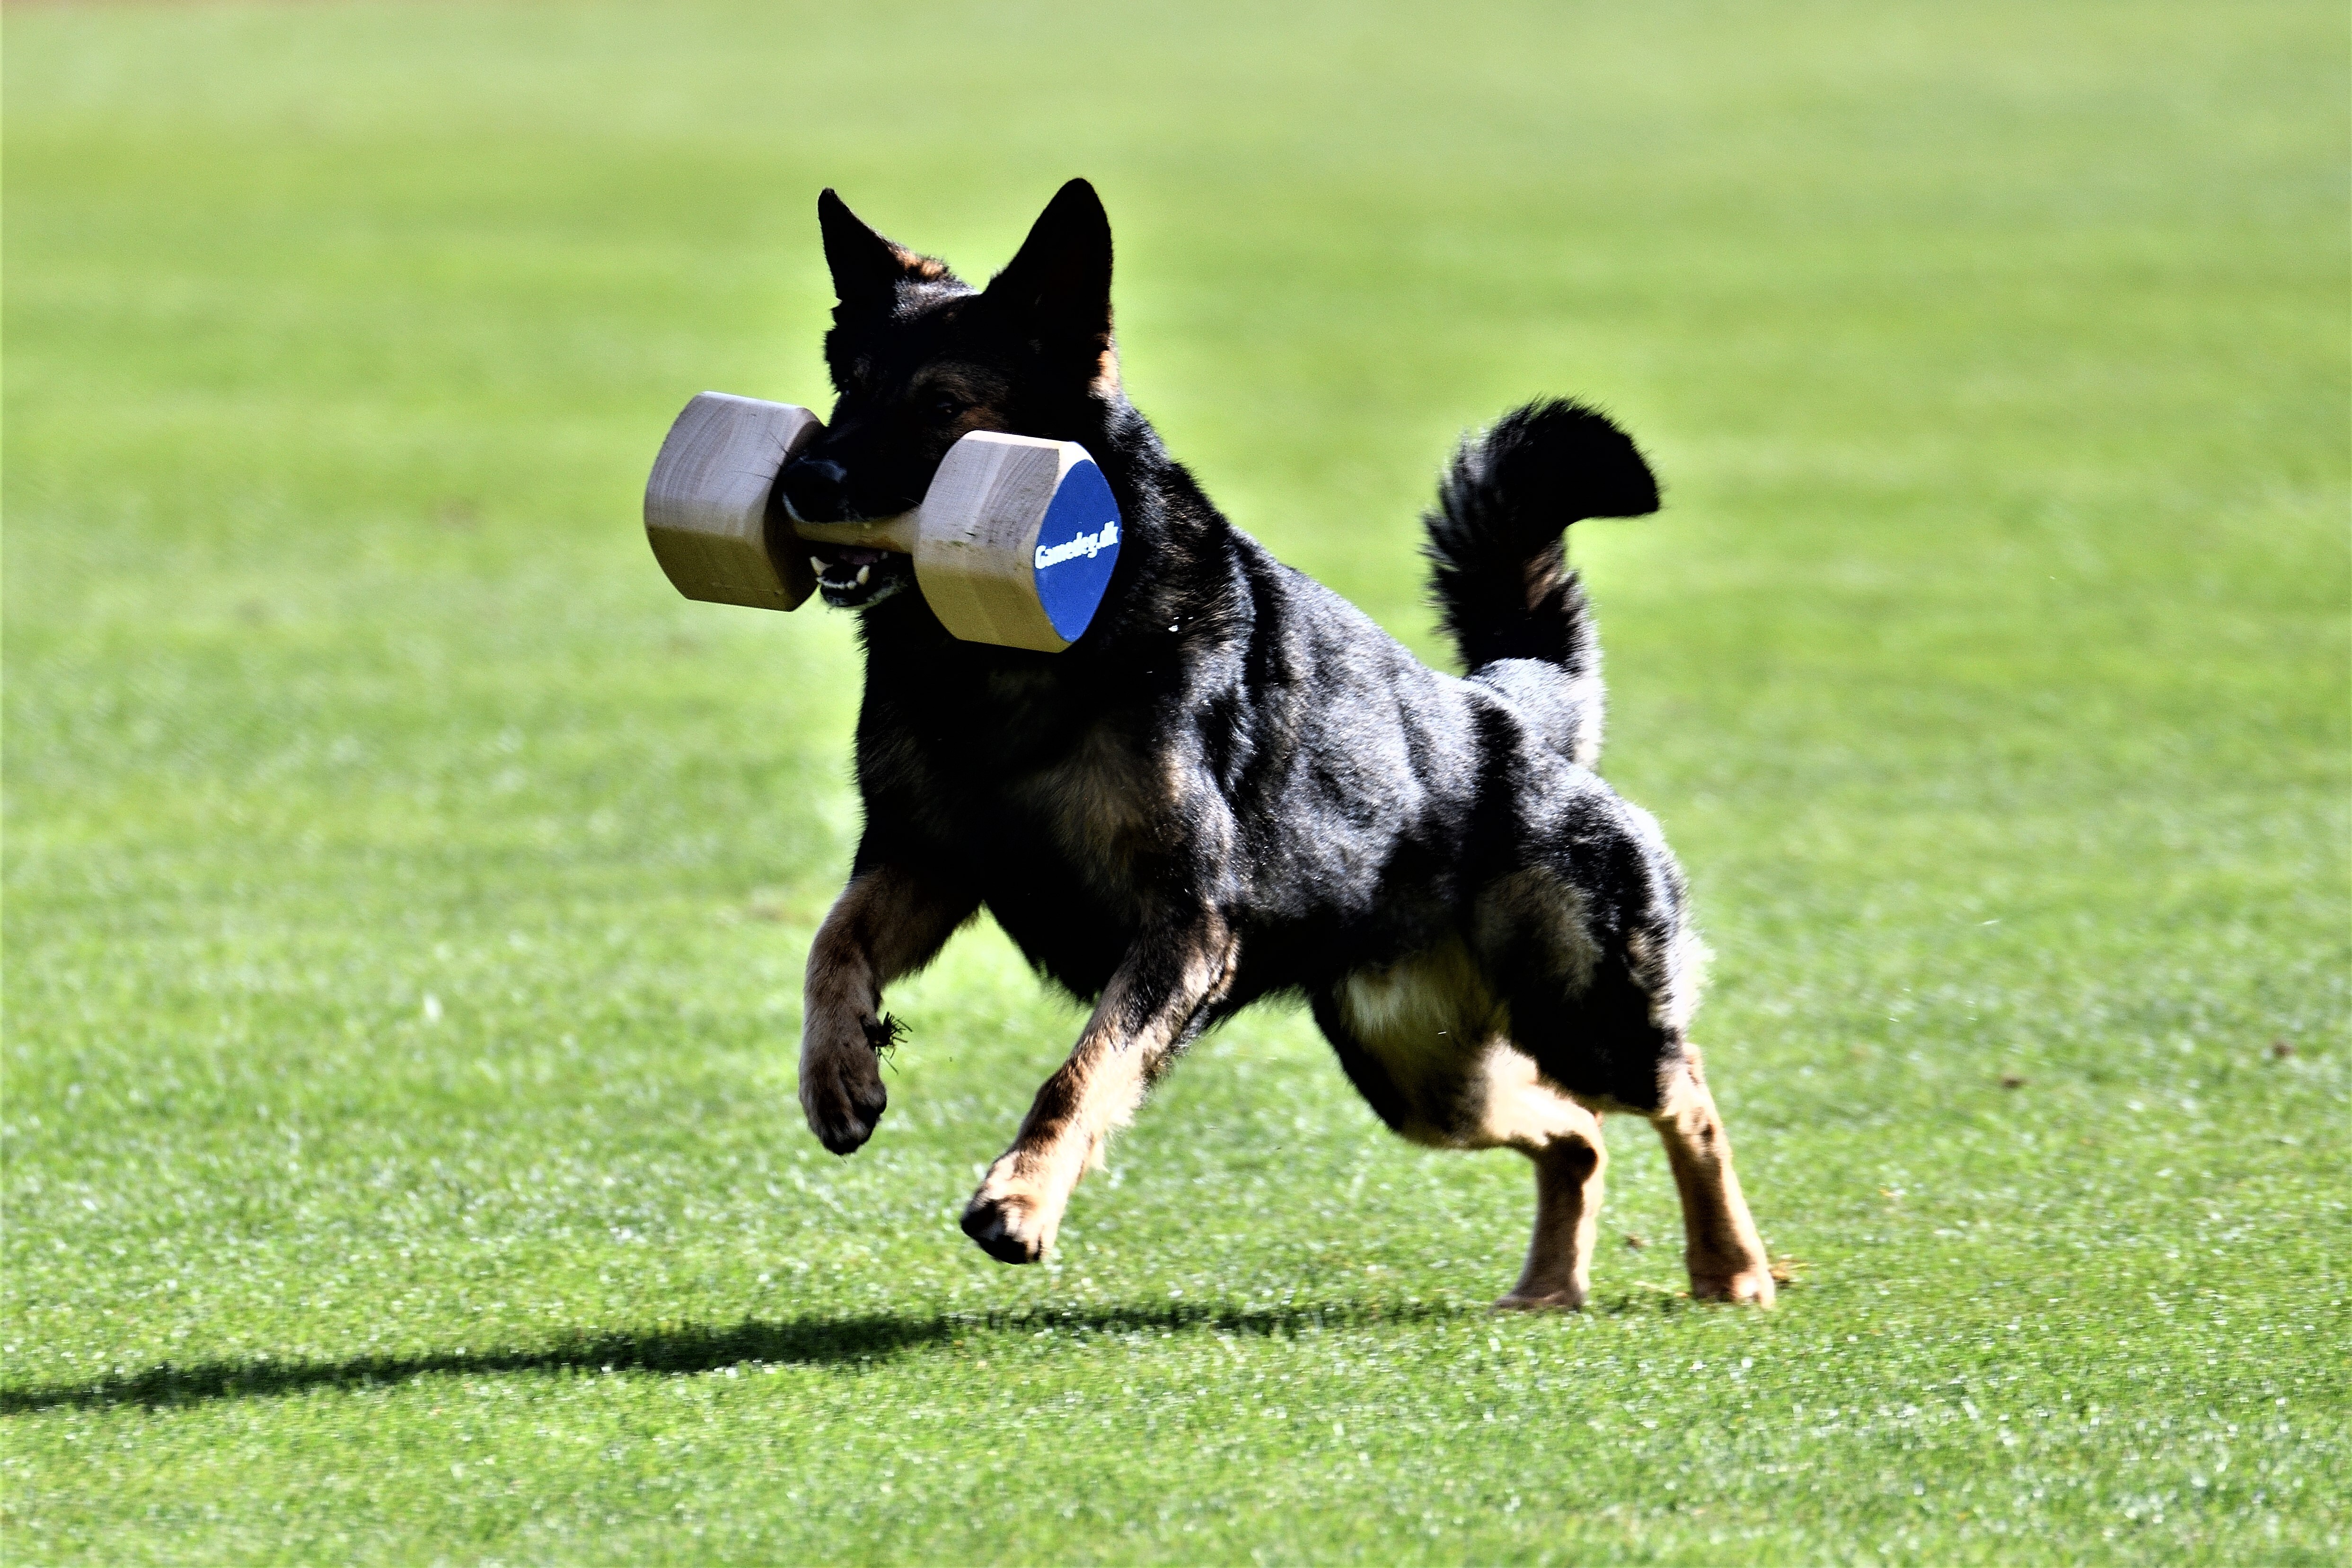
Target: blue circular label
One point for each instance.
(1077, 544)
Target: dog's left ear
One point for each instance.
(1058, 286)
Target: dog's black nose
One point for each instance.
(812, 487)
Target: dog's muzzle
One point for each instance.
(849, 577)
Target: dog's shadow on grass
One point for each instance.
(691, 1347)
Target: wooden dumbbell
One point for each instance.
(1013, 543)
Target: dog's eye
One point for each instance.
(947, 405)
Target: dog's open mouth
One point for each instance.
(852, 576)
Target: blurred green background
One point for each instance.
(406, 892)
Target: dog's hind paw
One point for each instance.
(1751, 1286)
(1555, 1301)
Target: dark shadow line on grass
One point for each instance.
(688, 1348)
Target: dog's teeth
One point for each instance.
(863, 573)
(816, 565)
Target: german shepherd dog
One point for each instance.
(1235, 785)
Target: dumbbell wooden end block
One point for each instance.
(707, 513)
(1013, 543)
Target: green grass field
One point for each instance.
(407, 891)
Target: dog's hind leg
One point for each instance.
(1563, 1139)
(1166, 983)
(1723, 1252)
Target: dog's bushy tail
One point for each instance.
(1498, 568)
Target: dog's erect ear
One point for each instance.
(866, 266)
(1059, 283)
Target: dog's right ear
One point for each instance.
(865, 266)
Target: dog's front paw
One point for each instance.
(1010, 1222)
(840, 1090)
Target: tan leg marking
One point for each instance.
(1167, 979)
(1563, 1138)
(1723, 1252)
(888, 922)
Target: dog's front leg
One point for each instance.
(890, 920)
(1169, 980)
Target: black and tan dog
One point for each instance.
(1235, 785)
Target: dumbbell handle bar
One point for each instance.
(896, 535)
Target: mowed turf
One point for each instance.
(407, 891)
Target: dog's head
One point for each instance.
(921, 358)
